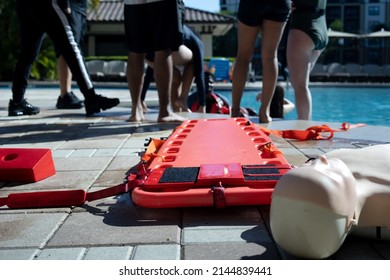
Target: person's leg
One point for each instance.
(163, 77)
(187, 81)
(182, 56)
(176, 88)
(78, 23)
(31, 37)
(181, 82)
(147, 80)
(67, 99)
(58, 28)
(246, 41)
(135, 75)
(272, 33)
(301, 58)
(64, 76)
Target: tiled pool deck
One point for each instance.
(93, 153)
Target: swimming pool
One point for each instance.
(369, 105)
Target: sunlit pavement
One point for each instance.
(96, 152)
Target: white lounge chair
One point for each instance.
(96, 69)
(319, 73)
(356, 73)
(115, 70)
(337, 72)
(374, 72)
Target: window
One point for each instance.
(352, 11)
(374, 10)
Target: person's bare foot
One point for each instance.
(182, 105)
(171, 117)
(144, 107)
(264, 116)
(236, 113)
(137, 115)
(202, 109)
(258, 97)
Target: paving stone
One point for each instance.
(18, 254)
(61, 254)
(94, 153)
(157, 252)
(83, 153)
(124, 163)
(105, 153)
(82, 164)
(109, 253)
(241, 215)
(357, 251)
(110, 178)
(231, 251)
(62, 153)
(61, 180)
(30, 230)
(92, 144)
(116, 221)
(215, 234)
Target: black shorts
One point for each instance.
(154, 26)
(77, 21)
(253, 12)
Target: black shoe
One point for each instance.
(69, 101)
(98, 102)
(22, 108)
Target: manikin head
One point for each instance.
(312, 208)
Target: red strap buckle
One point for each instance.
(219, 196)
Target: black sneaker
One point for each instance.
(69, 101)
(22, 108)
(98, 102)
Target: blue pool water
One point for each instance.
(369, 105)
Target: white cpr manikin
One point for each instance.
(315, 206)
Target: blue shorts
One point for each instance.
(154, 26)
(253, 12)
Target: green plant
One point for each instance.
(44, 67)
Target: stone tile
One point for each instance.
(18, 254)
(105, 153)
(135, 142)
(207, 216)
(92, 144)
(28, 230)
(123, 163)
(31, 145)
(115, 228)
(231, 251)
(81, 164)
(311, 153)
(109, 253)
(61, 254)
(92, 230)
(216, 234)
(357, 251)
(117, 221)
(61, 153)
(110, 178)
(83, 153)
(157, 252)
(383, 248)
(129, 151)
(61, 180)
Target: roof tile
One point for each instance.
(112, 11)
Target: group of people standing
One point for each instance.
(307, 38)
(156, 35)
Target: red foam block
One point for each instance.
(25, 165)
